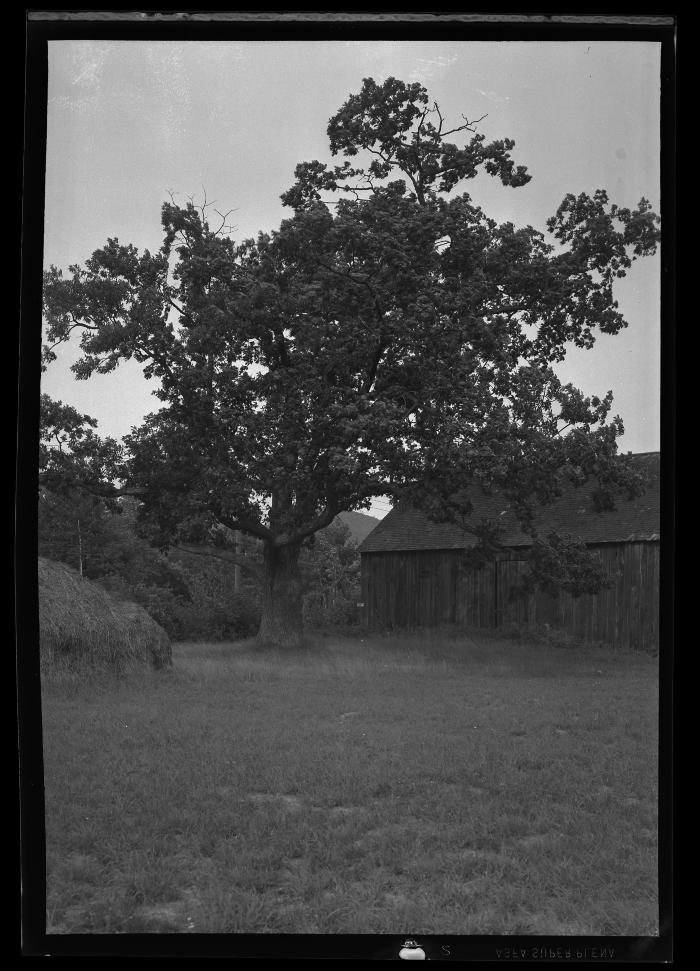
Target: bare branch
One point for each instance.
(245, 562)
(466, 126)
(439, 131)
(205, 205)
(422, 119)
(224, 217)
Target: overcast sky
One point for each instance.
(130, 121)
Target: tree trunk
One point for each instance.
(281, 623)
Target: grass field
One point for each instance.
(416, 785)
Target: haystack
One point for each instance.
(81, 624)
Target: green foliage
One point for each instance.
(71, 529)
(391, 121)
(331, 568)
(391, 339)
(197, 616)
(71, 454)
(561, 563)
(216, 609)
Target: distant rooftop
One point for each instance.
(406, 528)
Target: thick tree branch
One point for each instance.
(64, 338)
(172, 303)
(99, 491)
(372, 371)
(245, 562)
(246, 526)
(321, 521)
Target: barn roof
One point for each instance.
(406, 528)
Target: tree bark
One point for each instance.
(281, 623)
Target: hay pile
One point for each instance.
(82, 625)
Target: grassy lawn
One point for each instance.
(407, 785)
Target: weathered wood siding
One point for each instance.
(439, 588)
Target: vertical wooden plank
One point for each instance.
(397, 582)
(459, 594)
(421, 590)
(387, 591)
(616, 568)
(417, 604)
(454, 588)
(378, 594)
(464, 581)
(404, 575)
(447, 602)
(628, 580)
(633, 591)
(366, 568)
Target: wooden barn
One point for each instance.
(416, 573)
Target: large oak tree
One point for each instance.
(388, 339)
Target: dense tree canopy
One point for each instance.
(388, 338)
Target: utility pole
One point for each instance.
(80, 550)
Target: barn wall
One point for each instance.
(439, 587)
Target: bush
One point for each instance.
(200, 618)
(236, 619)
(331, 609)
